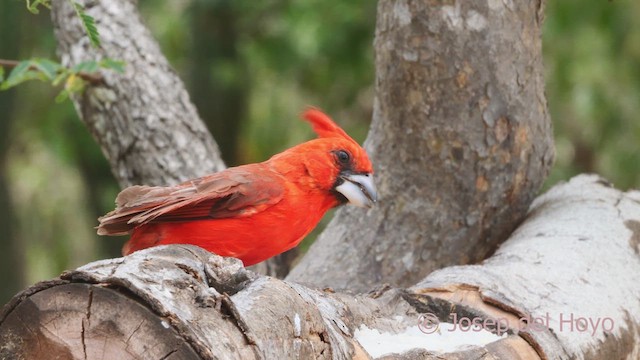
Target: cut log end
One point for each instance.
(82, 321)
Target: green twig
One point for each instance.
(93, 78)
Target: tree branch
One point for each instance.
(143, 119)
(571, 266)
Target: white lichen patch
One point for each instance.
(297, 325)
(475, 21)
(452, 16)
(407, 260)
(447, 338)
(500, 5)
(411, 56)
(402, 13)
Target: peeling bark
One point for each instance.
(143, 120)
(575, 254)
(461, 142)
(206, 306)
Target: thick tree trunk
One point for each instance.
(144, 121)
(575, 257)
(461, 142)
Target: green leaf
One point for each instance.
(19, 74)
(19, 70)
(74, 84)
(88, 66)
(32, 69)
(32, 6)
(115, 65)
(89, 24)
(55, 73)
(47, 67)
(62, 96)
(61, 76)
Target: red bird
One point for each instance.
(250, 212)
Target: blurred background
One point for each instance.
(251, 67)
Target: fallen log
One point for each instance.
(577, 253)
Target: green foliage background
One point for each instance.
(251, 67)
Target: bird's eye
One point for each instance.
(343, 156)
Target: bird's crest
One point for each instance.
(323, 125)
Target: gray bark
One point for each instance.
(144, 120)
(577, 252)
(180, 302)
(461, 142)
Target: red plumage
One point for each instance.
(251, 212)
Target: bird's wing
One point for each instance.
(235, 192)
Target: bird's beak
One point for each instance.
(358, 189)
